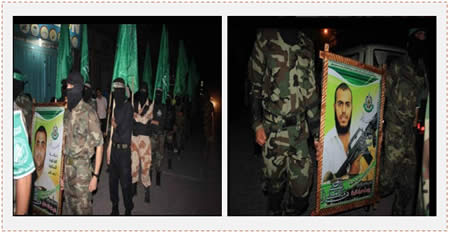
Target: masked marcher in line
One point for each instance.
(285, 112)
(405, 88)
(141, 149)
(23, 161)
(157, 133)
(88, 96)
(169, 130)
(119, 156)
(179, 124)
(208, 123)
(83, 136)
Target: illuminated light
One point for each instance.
(423, 128)
(418, 125)
(325, 31)
(40, 42)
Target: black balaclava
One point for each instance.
(158, 96)
(74, 94)
(87, 92)
(119, 91)
(143, 94)
(178, 100)
(416, 48)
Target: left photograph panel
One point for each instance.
(117, 116)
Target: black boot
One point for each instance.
(158, 178)
(128, 212)
(297, 206)
(134, 189)
(115, 210)
(147, 195)
(274, 204)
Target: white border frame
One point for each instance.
(224, 9)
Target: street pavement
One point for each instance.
(245, 197)
(191, 187)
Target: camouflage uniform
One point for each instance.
(403, 89)
(284, 97)
(82, 135)
(141, 153)
(158, 137)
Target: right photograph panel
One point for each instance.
(330, 116)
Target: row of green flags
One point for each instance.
(126, 63)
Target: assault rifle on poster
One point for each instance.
(358, 145)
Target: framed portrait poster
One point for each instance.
(350, 133)
(46, 143)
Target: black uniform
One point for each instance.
(120, 164)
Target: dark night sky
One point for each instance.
(202, 39)
(350, 32)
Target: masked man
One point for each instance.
(119, 153)
(141, 154)
(83, 137)
(157, 129)
(405, 87)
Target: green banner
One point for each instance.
(23, 161)
(193, 80)
(182, 71)
(351, 130)
(125, 62)
(84, 64)
(147, 75)
(163, 69)
(64, 59)
(47, 138)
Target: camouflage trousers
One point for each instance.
(141, 157)
(398, 170)
(158, 149)
(77, 176)
(287, 163)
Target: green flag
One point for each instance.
(84, 64)
(125, 62)
(182, 70)
(64, 59)
(193, 79)
(163, 71)
(147, 74)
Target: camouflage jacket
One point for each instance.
(404, 87)
(26, 105)
(81, 131)
(282, 79)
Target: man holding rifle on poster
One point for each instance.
(82, 134)
(346, 147)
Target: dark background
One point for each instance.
(202, 38)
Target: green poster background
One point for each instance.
(362, 83)
(46, 195)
